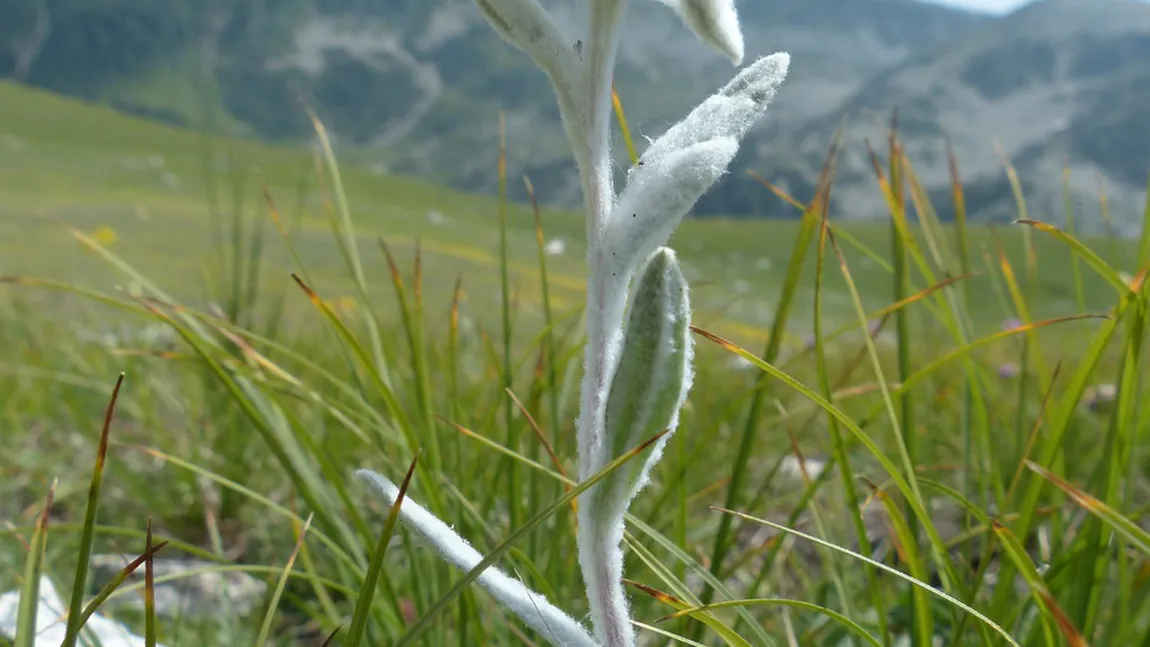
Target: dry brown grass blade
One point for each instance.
(539, 434)
(1034, 431)
(655, 593)
(274, 212)
(149, 589)
(778, 191)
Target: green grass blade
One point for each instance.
(33, 566)
(84, 551)
(120, 577)
(700, 613)
(344, 229)
(790, 285)
(150, 637)
(1125, 527)
(833, 615)
(281, 583)
(883, 567)
(1088, 255)
(902, 482)
(838, 446)
(679, 587)
(375, 568)
(510, 427)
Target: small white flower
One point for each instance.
(555, 247)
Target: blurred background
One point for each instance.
(414, 87)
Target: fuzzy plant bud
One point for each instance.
(647, 391)
(715, 22)
(658, 196)
(653, 375)
(532, 608)
(730, 112)
(686, 161)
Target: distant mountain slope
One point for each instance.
(1060, 82)
(416, 85)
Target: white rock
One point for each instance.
(791, 467)
(51, 626)
(187, 587)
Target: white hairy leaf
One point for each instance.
(730, 112)
(716, 22)
(652, 378)
(658, 196)
(535, 610)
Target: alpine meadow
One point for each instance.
(548, 372)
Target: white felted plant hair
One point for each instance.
(714, 21)
(637, 361)
(531, 607)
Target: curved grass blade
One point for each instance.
(1128, 529)
(697, 612)
(924, 621)
(899, 574)
(846, 622)
(962, 351)
(87, 536)
(375, 568)
(892, 471)
(116, 581)
(664, 573)
(269, 617)
(255, 497)
(1041, 592)
(33, 565)
(1092, 259)
(666, 634)
(808, 224)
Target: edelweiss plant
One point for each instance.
(637, 365)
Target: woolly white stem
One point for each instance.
(606, 299)
(531, 607)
